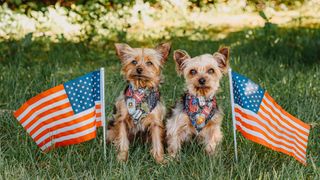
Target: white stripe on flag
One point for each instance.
(61, 121)
(67, 128)
(68, 137)
(255, 124)
(39, 102)
(36, 113)
(49, 116)
(283, 124)
(284, 116)
(274, 123)
(256, 134)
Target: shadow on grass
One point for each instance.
(43, 63)
(293, 45)
(290, 45)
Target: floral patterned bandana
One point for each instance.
(199, 109)
(140, 102)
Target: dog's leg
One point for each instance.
(119, 129)
(174, 143)
(157, 132)
(211, 136)
(177, 132)
(154, 123)
(111, 135)
(122, 141)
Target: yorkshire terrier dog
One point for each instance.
(197, 114)
(138, 108)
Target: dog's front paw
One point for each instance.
(210, 149)
(122, 156)
(159, 159)
(172, 153)
(158, 156)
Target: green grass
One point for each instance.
(286, 62)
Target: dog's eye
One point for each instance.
(211, 71)
(134, 62)
(149, 63)
(193, 71)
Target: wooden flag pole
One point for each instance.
(103, 117)
(233, 115)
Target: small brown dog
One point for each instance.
(138, 108)
(198, 113)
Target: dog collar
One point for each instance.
(140, 102)
(199, 109)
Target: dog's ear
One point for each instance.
(164, 50)
(179, 57)
(222, 57)
(121, 50)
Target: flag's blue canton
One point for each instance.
(247, 94)
(83, 91)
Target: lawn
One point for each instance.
(285, 61)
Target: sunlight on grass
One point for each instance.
(143, 20)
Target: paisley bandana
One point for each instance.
(140, 102)
(199, 109)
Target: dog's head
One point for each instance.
(142, 66)
(202, 73)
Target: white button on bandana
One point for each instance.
(131, 105)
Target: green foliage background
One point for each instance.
(199, 3)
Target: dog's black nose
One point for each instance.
(202, 81)
(139, 70)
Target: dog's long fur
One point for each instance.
(179, 128)
(151, 61)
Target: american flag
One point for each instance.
(66, 114)
(260, 119)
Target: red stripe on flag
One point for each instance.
(50, 120)
(98, 115)
(276, 115)
(53, 110)
(37, 98)
(281, 129)
(263, 142)
(66, 124)
(296, 120)
(256, 129)
(247, 116)
(70, 132)
(98, 106)
(99, 123)
(47, 103)
(271, 117)
(77, 140)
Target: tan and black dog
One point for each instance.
(198, 113)
(138, 108)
